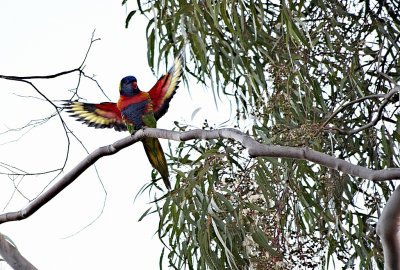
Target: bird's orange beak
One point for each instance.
(134, 85)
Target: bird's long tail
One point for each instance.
(156, 157)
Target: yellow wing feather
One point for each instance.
(103, 115)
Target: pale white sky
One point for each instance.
(44, 37)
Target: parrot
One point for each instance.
(134, 110)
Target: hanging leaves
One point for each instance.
(289, 66)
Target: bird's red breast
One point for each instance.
(125, 101)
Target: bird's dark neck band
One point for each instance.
(130, 92)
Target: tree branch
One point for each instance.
(386, 98)
(12, 256)
(34, 123)
(254, 148)
(388, 230)
(52, 76)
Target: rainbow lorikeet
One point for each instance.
(134, 110)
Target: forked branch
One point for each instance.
(386, 99)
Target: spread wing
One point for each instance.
(103, 115)
(165, 88)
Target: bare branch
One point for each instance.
(254, 148)
(12, 256)
(33, 123)
(341, 108)
(52, 76)
(97, 83)
(386, 98)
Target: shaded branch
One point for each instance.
(254, 148)
(12, 256)
(386, 98)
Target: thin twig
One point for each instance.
(28, 80)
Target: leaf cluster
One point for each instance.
(288, 65)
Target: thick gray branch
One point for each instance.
(388, 230)
(255, 149)
(12, 256)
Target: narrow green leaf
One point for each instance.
(144, 214)
(260, 238)
(129, 17)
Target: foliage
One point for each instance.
(288, 65)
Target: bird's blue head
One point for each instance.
(128, 86)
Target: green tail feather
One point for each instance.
(156, 157)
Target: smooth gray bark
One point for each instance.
(12, 256)
(388, 229)
(254, 148)
(389, 223)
